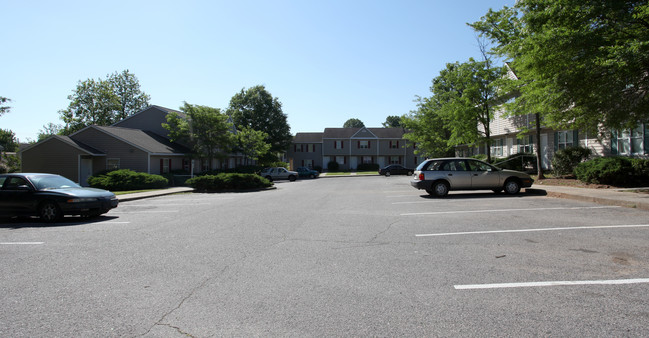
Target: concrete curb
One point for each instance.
(589, 197)
(141, 195)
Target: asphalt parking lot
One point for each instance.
(353, 256)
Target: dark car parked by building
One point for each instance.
(50, 197)
(396, 169)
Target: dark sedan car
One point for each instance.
(50, 197)
(396, 169)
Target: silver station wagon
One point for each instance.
(440, 175)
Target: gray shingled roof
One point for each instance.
(308, 138)
(78, 144)
(145, 140)
(349, 132)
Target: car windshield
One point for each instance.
(45, 182)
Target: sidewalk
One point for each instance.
(618, 197)
(154, 193)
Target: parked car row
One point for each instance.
(280, 173)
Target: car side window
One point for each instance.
(460, 165)
(14, 182)
(478, 166)
(2, 181)
(434, 165)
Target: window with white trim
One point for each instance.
(565, 139)
(395, 160)
(367, 159)
(338, 144)
(364, 144)
(630, 141)
(497, 147)
(112, 164)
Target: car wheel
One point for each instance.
(49, 212)
(439, 189)
(512, 187)
(269, 178)
(409, 173)
(311, 176)
(387, 174)
(291, 178)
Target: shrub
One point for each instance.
(367, 167)
(126, 179)
(481, 157)
(616, 171)
(333, 166)
(565, 160)
(225, 181)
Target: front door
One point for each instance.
(85, 171)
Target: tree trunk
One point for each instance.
(539, 158)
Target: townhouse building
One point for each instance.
(351, 147)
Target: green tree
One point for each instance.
(8, 140)
(206, 131)
(392, 121)
(103, 102)
(251, 143)
(466, 95)
(353, 123)
(581, 64)
(3, 108)
(49, 130)
(257, 109)
(427, 128)
(127, 88)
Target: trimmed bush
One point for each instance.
(333, 166)
(126, 179)
(565, 160)
(225, 181)
(616, 171)
(367, 167)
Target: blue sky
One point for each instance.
(326, 61)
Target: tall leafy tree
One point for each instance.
(49, 130)
(353, 123)
(103, 102)
(3, 108)
(257, 109)
(427, 128)
(466, 95)
(392, 121)
(127, 88)
(8, 140)
(251, 143)
(581, 64)
(206, 131)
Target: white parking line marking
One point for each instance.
(144, 212)
(555, 283)
(533, 230)
(502, 210)
(21, 243)
(164, 204)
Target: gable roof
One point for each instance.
(163, 109)
(345, 133)
(144, 140)
(66, 139)
(308, 138)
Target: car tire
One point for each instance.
(291, 178)
(311, 176)
(387, 174)
(49, 212)
(409, 173)
(269, 178)
(439, 189)
(512, 187)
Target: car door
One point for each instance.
(282, 173)
(457, 174)
(17, 197)
(483, 176)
